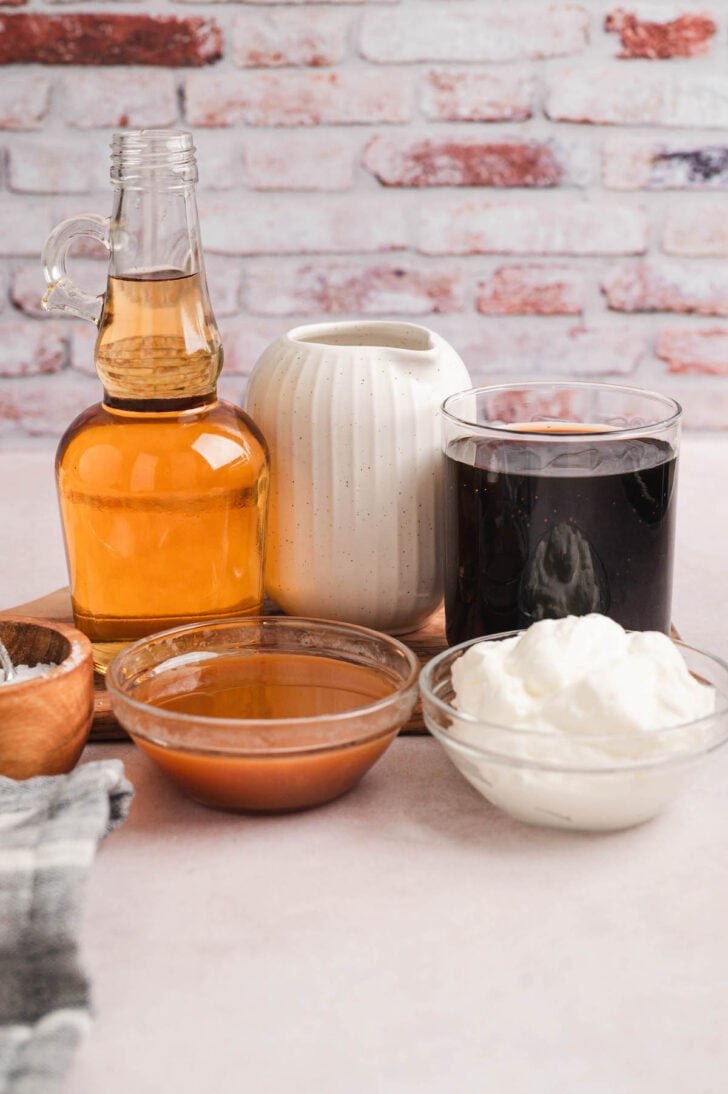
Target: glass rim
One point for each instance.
(405, 685)
(317, 333)
(670, 420)
(141, 158)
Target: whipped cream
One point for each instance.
(580, 675)
(590, 700)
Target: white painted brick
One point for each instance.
(46, 405)
(631, 162)
(301, 225)
(664, 285)
(224, 279)
(26, 224)
(704, 352)
(291, 98)
(82, 346)
(505, 349)
(695, 227)
(219, 156)
(381, 288)
(308, 160)
(467, 31)
(562, 226)
(27, 289)
(114, 98)
(55, 167)
(244, 341)
(704, 399)
(24, 100)
(477, 95)
(289, 3)
(28, 348)
(620, 94)
(288, 37)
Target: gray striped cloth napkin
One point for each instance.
(49, 830)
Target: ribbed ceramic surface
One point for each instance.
(351, 415)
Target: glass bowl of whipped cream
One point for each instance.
(576, 723)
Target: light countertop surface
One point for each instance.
(408, 937)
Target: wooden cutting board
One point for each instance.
(57, 606)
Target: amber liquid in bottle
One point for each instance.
(162, 487)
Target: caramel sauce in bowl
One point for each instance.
(264, 714)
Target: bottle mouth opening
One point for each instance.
(138, 154)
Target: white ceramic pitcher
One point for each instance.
(351, 412)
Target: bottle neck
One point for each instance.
(158, 346)
(154, 228)
(172, 407)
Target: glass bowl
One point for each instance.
(264, 713)
(591, 782)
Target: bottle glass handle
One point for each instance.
(62, 294)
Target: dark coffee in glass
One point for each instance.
(565, 509)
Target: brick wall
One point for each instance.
(544, 183)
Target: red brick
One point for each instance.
(532, 290)
(688, 35)
(308, 160)
(464, 31)
(357, 96)
(558, 226)
(24, 100)
(285, 37)
(85, 39)
(26, 224)
(667, 286)
(108, 99)
(340, 288)
(305, 224)
(639, 95)
(54, 168)
(455, 94)
(699, 351)
(636, 163)
(462, 161)
(45, 405)
(27, 348)
(697, 228)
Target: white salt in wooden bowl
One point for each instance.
(45, 718)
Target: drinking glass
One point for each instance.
(559, 500)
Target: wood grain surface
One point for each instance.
(57, 606)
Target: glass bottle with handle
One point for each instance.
(162, 487)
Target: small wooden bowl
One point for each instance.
(45, 720)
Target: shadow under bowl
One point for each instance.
(45, 719)
(586, 781)
(264, 714)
